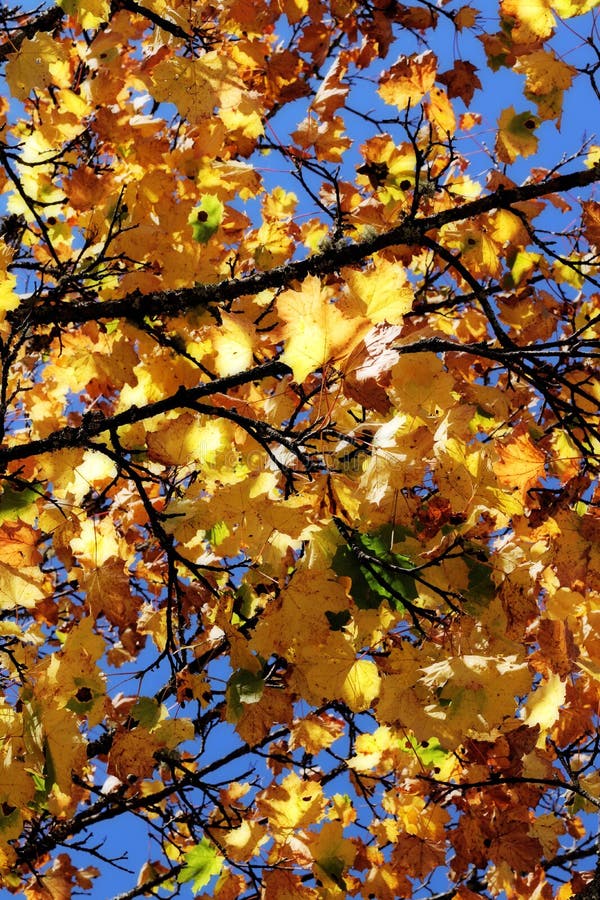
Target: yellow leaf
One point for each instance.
(314, 330)
(361, 685)
(529, 20)
(316, 732)
(177, 442)
(407, 82)
(20, 587)
(543, 705)
(243, 842)
(523, 265)
(473, 694)
(197, 86)
(132, 753)
(565, 274)
(172, 732)
(292, 804)
(9, 299)
(440, 112)
(547, 79)
(326, 137)
(333, 854)
(294, 9)
(94, 472)
(89, 13)
(567, 457)
(234, 344)
(545, 72)
(515, 135)
(97, 542)
(593, 156)
(414, 817)
(382, 292)
(41, 61)
(566, 9)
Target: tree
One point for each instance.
(299, 523)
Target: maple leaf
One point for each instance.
(521, 464)
(516, 135)
(332, 92)
(326, 137)
(547, 77)
(40, 63)
(315, 330)
(408, 80)
(202, 863)
(316, 732)
(439, 111)
(315, 467)
(528, 22)
(369, 368)
(461, 80)
(89, 13)
(292, 804)
(333, 854)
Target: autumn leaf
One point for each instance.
(89, 13)
(314, 329)
(408, 80)
(299, 532)
(516, 135)
(528, 22)
(369, 368)
(291, 804)
(461, 80)
(521, 464)
(439, 111)
(40, 63)
(206, 218)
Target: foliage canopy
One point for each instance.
(299, 522)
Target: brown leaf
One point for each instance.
(461, 81)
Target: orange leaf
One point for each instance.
(407, 82)
(521, 464)
(461, 81)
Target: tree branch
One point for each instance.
(169, 303)
(46, 21)
(80, 436)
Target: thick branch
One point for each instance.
(81, 435)
(140, 10)
(409, 232)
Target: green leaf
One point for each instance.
(217, 533)
(206, 218)
(345, 563)
(12, 502)
(202, 862)
(372, 583)
(481, 589)
(429, 753)
(334, 867)
(146, 711)
(243, 687)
